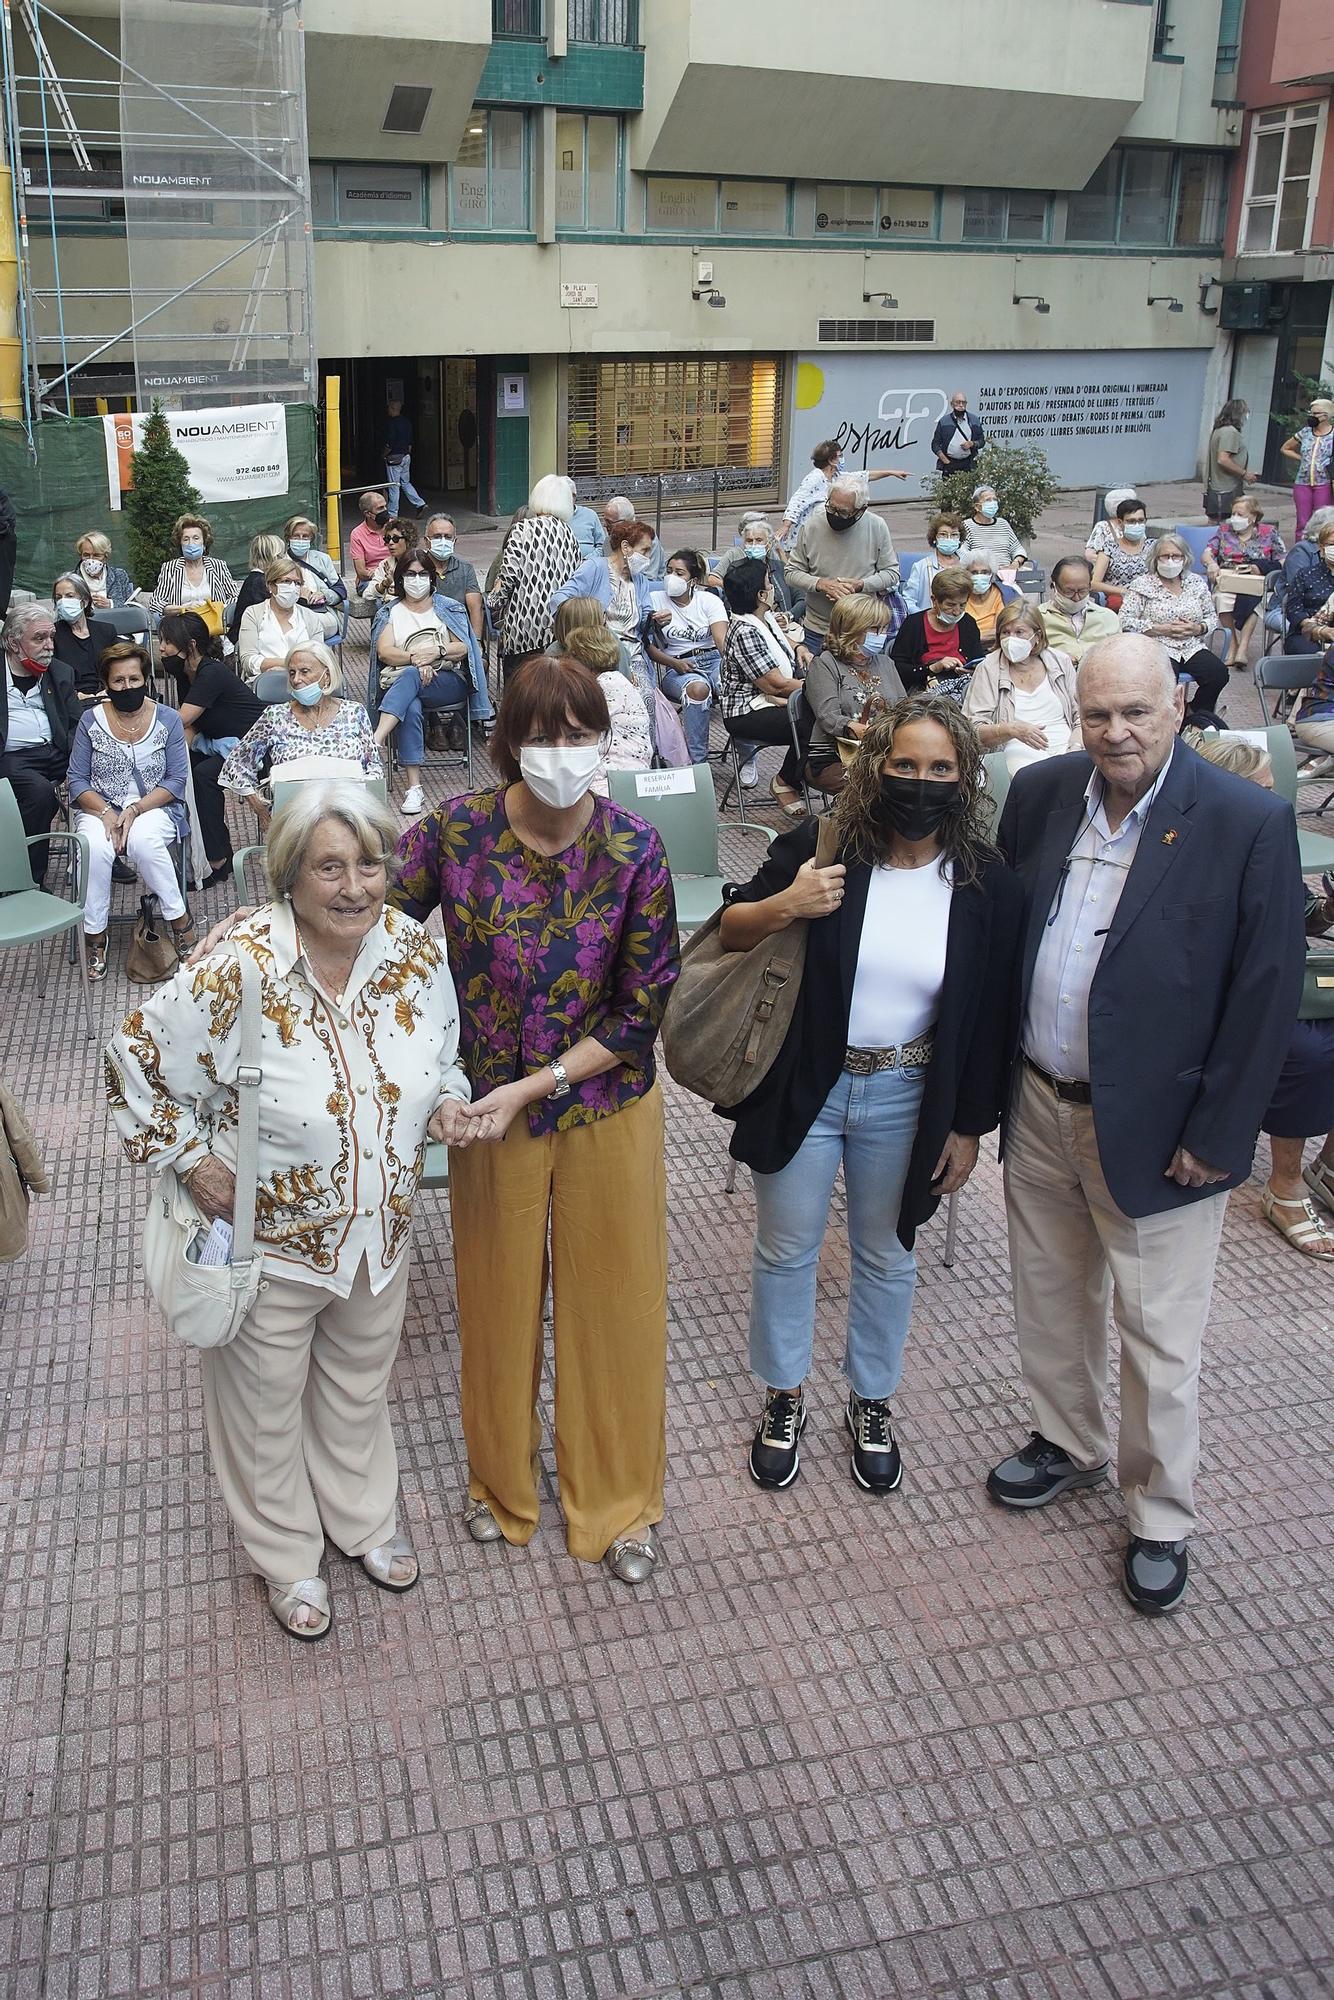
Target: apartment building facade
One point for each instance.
(1277, 318)
(635, 239)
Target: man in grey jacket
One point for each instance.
(840, 549)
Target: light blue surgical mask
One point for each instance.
(70, 609)
(947, 545)
(874, 642)
(1134, 531)
(981, 581)
(192, 551)
(300, 547)
(441, 546)
(946, 617)
(759, 550)
(989, 509)
(309, 696)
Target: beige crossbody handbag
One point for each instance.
(204, 1304)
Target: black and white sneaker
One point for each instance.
(775, 1456)
(876, 1464)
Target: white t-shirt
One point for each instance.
(406, 620)
(689, 629)
(1043, 709)
(901, 960)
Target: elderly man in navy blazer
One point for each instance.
(1162, 972)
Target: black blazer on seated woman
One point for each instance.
(967, 1079)
(908, 648)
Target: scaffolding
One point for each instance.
(193, 133)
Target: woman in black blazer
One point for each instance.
(896, 1061)
(932, 648)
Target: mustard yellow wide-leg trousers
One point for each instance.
(602, 1188)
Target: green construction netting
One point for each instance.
(65, 494)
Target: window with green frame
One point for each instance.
(488, 182)
(1151, 195)
(588, 171)
(1005, 215)
(346, 194)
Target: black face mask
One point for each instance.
(916, 807)
(841, 522)
(127, 701)
(381, 518)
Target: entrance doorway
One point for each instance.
(439, 394)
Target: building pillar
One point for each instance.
(543, 416)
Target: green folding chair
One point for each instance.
(31, 916)
(997, 773)
(282, 794)
(1316, 849)
(435, 1174)
(685, 815)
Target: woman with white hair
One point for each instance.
(540, 555)
(1173, 603)
(107, 581)
(987, 528)
(315, 722)
(988, 597)
(1313, 449)
(360, 1020)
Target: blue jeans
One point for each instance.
(215, 746)
(694, 713)
(406, 698)
(869, 1124)
(400, 475)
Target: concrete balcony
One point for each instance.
(352, 73)
(1009, 93)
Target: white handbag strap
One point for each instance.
(247, 1125)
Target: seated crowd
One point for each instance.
(907, 703)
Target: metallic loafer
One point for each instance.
(481, 1523)
(632, 1559)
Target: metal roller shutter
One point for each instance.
(631, 422)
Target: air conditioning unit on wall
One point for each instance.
(1245, 308)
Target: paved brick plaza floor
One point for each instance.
(909, 1747)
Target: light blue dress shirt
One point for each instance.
(1056, 1035)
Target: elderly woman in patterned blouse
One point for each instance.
(561, 929)
(539, 554)
(316, 722)
(358, 1052)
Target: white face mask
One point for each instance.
(287, 595)
(677, 586)
(417, 586)
(1016, 649)
(92, 567)
(1328, 553)
(1239, 523)
(1171, 566)
(561, 774)
(638, 561)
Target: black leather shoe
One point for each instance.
(1154, 1576)
(1039, 1473)
(775, 1455)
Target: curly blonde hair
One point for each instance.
(965, 842)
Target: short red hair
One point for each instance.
(542, 698)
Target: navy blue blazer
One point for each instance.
(1197, 989)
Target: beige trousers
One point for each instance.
(1072, 1253)
(603, 1189)
(1318, 733)
(298, 1422)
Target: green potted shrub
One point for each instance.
(160, 492)
(1022, 479)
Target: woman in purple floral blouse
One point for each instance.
(561, 931)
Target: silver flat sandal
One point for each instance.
(481, 1523)
(287, 1598)
(632, 1559)
(379, 1564)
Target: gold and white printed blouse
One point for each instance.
(346, 1092)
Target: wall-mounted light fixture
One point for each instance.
(1165, 299)
(1031, 299)
(709, 293)
(885, 300)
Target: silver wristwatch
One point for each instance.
(561, 1087)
